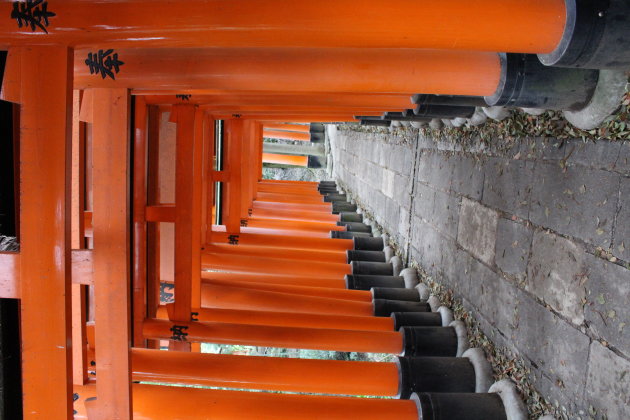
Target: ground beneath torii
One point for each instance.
(530, 237)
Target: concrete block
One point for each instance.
(507, 185)
(512, 248)
(388, 184)
(607, 311)
(494, 297)
(608, 385)
(468, 177)
(552, 345)
(600, 154)
(445, 213)
(477, 230)
(435, 170)
(578, 201)
(556, 274)
(542, 149)
(621, 235)
(423, 201)
(623, 160)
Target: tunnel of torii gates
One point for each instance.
(138, 132)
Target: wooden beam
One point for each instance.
(184, 191)
(111, 252)
(45, 151)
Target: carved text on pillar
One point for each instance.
(32, 13)
(104, 62)
(178, 332)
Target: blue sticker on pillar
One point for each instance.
(32, 13)
(105, 63)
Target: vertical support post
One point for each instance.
(196, 214)
(208, 170)
(79, 315)
(45, 81)
(111, 251)
(184, 197)
(234, 133)
(139, 219)
(153, 231)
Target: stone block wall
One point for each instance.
(532, 236)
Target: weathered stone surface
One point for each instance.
(423, 201)
(477, 230)
(608, 386)
(623, 160)
(512, 247)
(507, 185)
(579, 202)
(556, 274)
(388, 185)
(468, 177)
(542, 149)
(607, 310)
(552, 345)
(494, 297)
(621, 237)
(601, 154)
(445, 213)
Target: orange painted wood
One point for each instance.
(255, 264)
(533, 27)
(290, 319)
(208, 186)
(234, 132)
(290, 160)
(156, 403)
(285, 241)
(283, 337)
(153, 197)
(266, 373)
(323, 208)
(288, 279)
(78, 175)
(286, 135)
(196, 214)
(226, 297)
(112, 271)
(292, 198)
(324, 292)
(294, 215)
(79, 337)
(355, 70)
(140, 150)
(9, 275)
(185, 118)
(45, 185)
(301, 128)
(161, 213)
(286, 253)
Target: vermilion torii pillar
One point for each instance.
(360, 70)
(486, 25)
(45, 150)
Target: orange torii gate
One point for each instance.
(113, 197)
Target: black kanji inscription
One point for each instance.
(104, 62)
(178, 332)
(233, 239)
(183, 97)
(32, 13)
